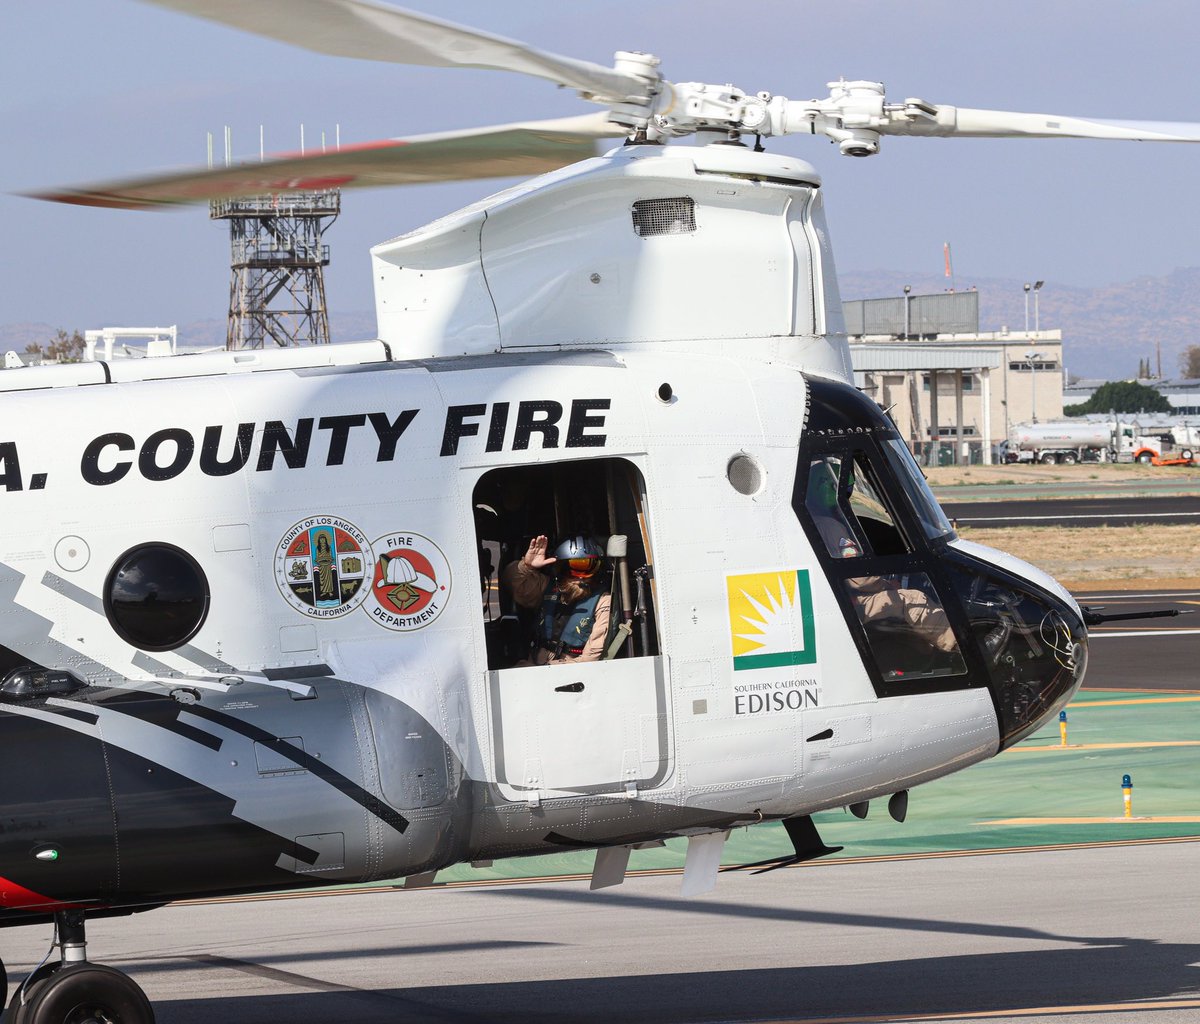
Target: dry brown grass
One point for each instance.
(1132, 557)
(1105, 474)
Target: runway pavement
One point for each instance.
(1146, 653)
(1089, 935)
(1082, 511)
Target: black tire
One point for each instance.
(1048, 459)
(84, 994)
(1069, 459)
(1187, 454)
(27, 986)
(1145, 458)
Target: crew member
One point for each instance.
(879, 598)
(574, 606)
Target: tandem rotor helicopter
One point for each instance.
(303, 667)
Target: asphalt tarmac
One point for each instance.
(1104, 934)
(1146, 653)
(1089, 511)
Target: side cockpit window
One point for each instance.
(878, 532)
(906, 625)
(902, 617)
(565, 570)
(845, 500)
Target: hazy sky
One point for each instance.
(94, 89)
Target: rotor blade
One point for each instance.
(502, 151)
(970, 123)
(370, 30)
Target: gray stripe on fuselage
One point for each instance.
(234, 777)
(93, 602)
(74, 592)
(23, 624)
(146, 663)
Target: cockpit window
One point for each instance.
(870, 509)
(933, 520)
(833, 523)
(843, 497)
(906, 626)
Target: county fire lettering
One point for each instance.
(224, 449)
(768, 698)
(103, 459)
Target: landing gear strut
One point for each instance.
(74, 991)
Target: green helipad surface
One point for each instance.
(1054, 794)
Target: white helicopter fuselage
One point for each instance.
(655, 334)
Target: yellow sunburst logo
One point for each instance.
(770, 619)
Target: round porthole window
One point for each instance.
(156, 597)
(745, 475)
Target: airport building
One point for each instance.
(952, 389)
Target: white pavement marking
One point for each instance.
(1147, 632)
(1086, 515)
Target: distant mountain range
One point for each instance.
(1107, 330)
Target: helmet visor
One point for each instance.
(582, 568)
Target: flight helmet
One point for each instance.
(581, 555)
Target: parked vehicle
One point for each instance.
(1064, 442)
(1152, 442)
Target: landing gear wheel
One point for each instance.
(84, 993)
(28, 985)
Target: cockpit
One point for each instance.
(927, 611)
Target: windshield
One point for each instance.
(929, 512)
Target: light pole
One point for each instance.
(1030, 358)
(907, 289)
(1037, 287)
(1027, 287)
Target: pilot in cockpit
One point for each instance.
(879, 598)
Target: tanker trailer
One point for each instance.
(1066, 442)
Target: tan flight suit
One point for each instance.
(529, 588)
(880, 599)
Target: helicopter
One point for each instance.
(278, 651)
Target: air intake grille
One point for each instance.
(664, 216)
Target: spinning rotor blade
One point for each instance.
(533, 147)
(857, 114)
(370, 30)
(970, 123)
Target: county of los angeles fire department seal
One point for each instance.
(411, 582)
(322, 566)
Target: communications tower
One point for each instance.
(277, 264)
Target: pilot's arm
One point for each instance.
(528, 586)
(524, 578)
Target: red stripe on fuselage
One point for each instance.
(17, 897)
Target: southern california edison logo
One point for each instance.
(322, 565)
(411, 582)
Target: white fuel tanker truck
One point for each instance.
(1070, 441)
(1059, 442)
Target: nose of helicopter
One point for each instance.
(1030, 632)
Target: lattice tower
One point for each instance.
(277, 263)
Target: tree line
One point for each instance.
(65, 348)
